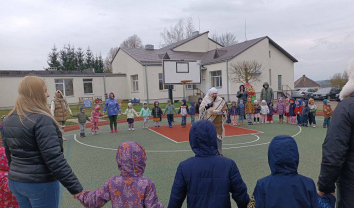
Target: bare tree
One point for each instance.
(108, 61)
(132, 42)
(339, 80)
(182, 30)
(246, 71)
(225, 39)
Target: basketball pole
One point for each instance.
(170, 93)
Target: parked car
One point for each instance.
(337, 97)
(326, 93)
(304, 93)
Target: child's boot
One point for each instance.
(239, 123)
(243, 123)
(83, 134)
(116, 130)
(111, 130)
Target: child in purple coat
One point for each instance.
(281, 109)
(130, 188)
(271, 112)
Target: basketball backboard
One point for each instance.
(175, 71)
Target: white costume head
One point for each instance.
(212, 91)
(349, 87)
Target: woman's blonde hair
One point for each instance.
(32, 98)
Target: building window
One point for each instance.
(88, 87)
(161, 85)
(216, 80)
(279, 82)
(270, 77)
(270, 54)
(65, 85)
(189, 86)
(135, 83)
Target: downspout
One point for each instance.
(104, 85)
(147, 85)
(227, 80)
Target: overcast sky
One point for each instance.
(319, 33)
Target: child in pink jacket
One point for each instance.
(6, 197)
(130, 188)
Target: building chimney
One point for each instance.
(149, 47)
(195, 33)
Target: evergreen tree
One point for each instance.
(53, 58)
(80, 57)
(99, 65)
(72, 66)
(64, 58)
(89, 59)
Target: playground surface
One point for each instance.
(93, 158)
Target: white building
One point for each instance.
(74, 85)
(143, 67)
(137, 73)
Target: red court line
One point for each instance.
(179, 134)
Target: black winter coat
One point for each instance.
(35, 152)
(338, 154)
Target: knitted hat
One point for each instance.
(325, 101)
(256, 101)
(82, 108)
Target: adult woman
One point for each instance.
(337, 166)
(112, 107)
(34, 148)
(211, 103)
(242, 94)
(60, 109)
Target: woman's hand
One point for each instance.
(75, 195)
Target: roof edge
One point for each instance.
(193, 37)
(282, 50)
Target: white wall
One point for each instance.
(199, 44)
(9, 86)
(278, 63)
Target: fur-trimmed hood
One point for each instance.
(349, 86)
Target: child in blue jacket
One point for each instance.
(305, 113)
(241, 113)
(192, 112)
(285, 187)
(207, 180)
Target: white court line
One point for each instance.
(258, 138)
(170, 151)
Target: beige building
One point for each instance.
(143, 67)
(75, 85)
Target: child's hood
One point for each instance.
(283, 155)
(300, 103)
(306, 103)
(269, 103)
(3, 160)
(131, 159)
(202, 138)
(192, 103)
(325, 101)
(184, 102)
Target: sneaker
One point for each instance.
(314, 126)
(158, 126)
(129, 129)
(243, 123)
(258, 122)
(111, 130)
(93, 133)
(132, 129)
(271, 122)
(155, 126)
(97, 132)
(116, 130)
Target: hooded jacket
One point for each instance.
(298, 108)
(128, 188)
(281, 107)
(292, 107)
(271, 109)
(60, 108)
(267, 93)
(6, 197)
(241, 109)
(305, 109)
(197, 106)
(264, 108)
(242, 96)
(327, 110)
(111, 106)
(249, 107)
(184, 110)
(192, 110)
(285, 187)
(233, 110)
(156, 111)
(200, 179)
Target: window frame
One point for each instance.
(163, 85)
(134, 83)
(86, 82)
(64, 87)
(281, 82)
(216, 76)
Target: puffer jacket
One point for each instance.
(192, 110)
(267, 93)
(285, 187)
(305, 109)
(200, 179)
(264, 109)
(130, 187)
(271, 109)
(338, 154)
(156, 111)
(34, 150)
(257, 108)
(281, 108)
(292, 107)
(111, 106)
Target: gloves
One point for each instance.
(209, 105)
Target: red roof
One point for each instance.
(305, 82)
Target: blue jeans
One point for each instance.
(241, 118)
(192, 119)
(184, 121)
(299, 119)
(82, 128)
(170, 119)
(326, 122)
(35, 195)
(312, 118)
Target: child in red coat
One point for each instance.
(6, 197)
(298, 110)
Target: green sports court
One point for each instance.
(93, 158)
